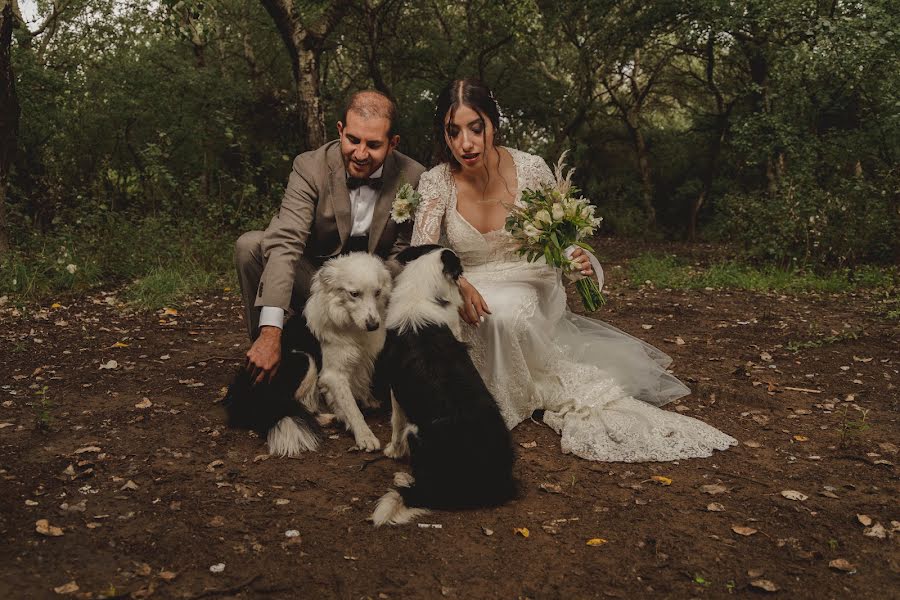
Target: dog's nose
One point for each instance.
(371, 324)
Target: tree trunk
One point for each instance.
(643, 156)
(312, 114)
(9, 114)
(304, 43)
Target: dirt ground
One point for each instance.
(111, 430)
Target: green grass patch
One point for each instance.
(167, 286)
(158, 262)
(666, 271)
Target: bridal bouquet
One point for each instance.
(405, 203)
(553, 220)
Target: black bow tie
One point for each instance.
(372, 182)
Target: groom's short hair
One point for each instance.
(372, 103)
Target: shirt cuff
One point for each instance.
(271, 316)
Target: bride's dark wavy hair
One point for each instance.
(463, 92)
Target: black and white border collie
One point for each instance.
(461, 453)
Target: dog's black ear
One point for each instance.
(411, 253)
(452, 265)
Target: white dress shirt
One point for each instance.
(362, 207)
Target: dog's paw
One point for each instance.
(326, 419)
(403, 479)
(396, 450)
(366, 440)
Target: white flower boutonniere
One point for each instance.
(405, 203)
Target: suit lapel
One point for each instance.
(340, 195)
(390, 178)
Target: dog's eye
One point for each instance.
(353, 293)
(377, 293)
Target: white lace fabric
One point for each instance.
(600, 387)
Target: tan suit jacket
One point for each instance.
(314, 219)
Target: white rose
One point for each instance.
(558, 211)
(532, 232)
(543, 216)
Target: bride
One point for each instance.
(599, 387)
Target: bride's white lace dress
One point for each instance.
(600, 387)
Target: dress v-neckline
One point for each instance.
(516, 197)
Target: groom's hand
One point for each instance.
(264, 355)
(474, 307)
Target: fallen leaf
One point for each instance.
(43, 527)
(752, 444)
(842, 564)
(875, 531)
(129, 485)
(523, 531)
(88, 449)
(109, 365)
(174, 313)
(143, 569)
(713, 489)
(486, 531)
(754, 573)
(217, 521)
(552, 488)
(282, 501)
(167, 575)
(765, 357)
(58, 305)
(144, 403)
(765, 585)
(217, 568)
(661, 479)
(531, 444)
(120, 345)
(216, 463)
(715, 507)
(647, 327)
(596, 542)
(68, 588)
(291, 533)
(864, 520)
(794, 495)
(742, 530)
(679, 341)
(801, 438)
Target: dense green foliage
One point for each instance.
(152, 133)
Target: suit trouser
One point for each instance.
(249, 261)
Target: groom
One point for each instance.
(338, 200)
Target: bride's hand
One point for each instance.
(584, 263)
(474, 307)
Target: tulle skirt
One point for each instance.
(600, 387)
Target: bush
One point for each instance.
(809, 225)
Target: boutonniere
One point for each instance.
(405, 203)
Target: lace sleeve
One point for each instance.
(430, 213)
(542, 173)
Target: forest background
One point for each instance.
(139, 138)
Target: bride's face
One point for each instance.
(468, 136)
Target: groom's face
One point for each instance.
(365, 143)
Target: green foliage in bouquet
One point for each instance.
(552, 219)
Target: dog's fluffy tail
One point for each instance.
(291, 436)
(392, 510)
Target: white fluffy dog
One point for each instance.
(346, 312)
(330, 348)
